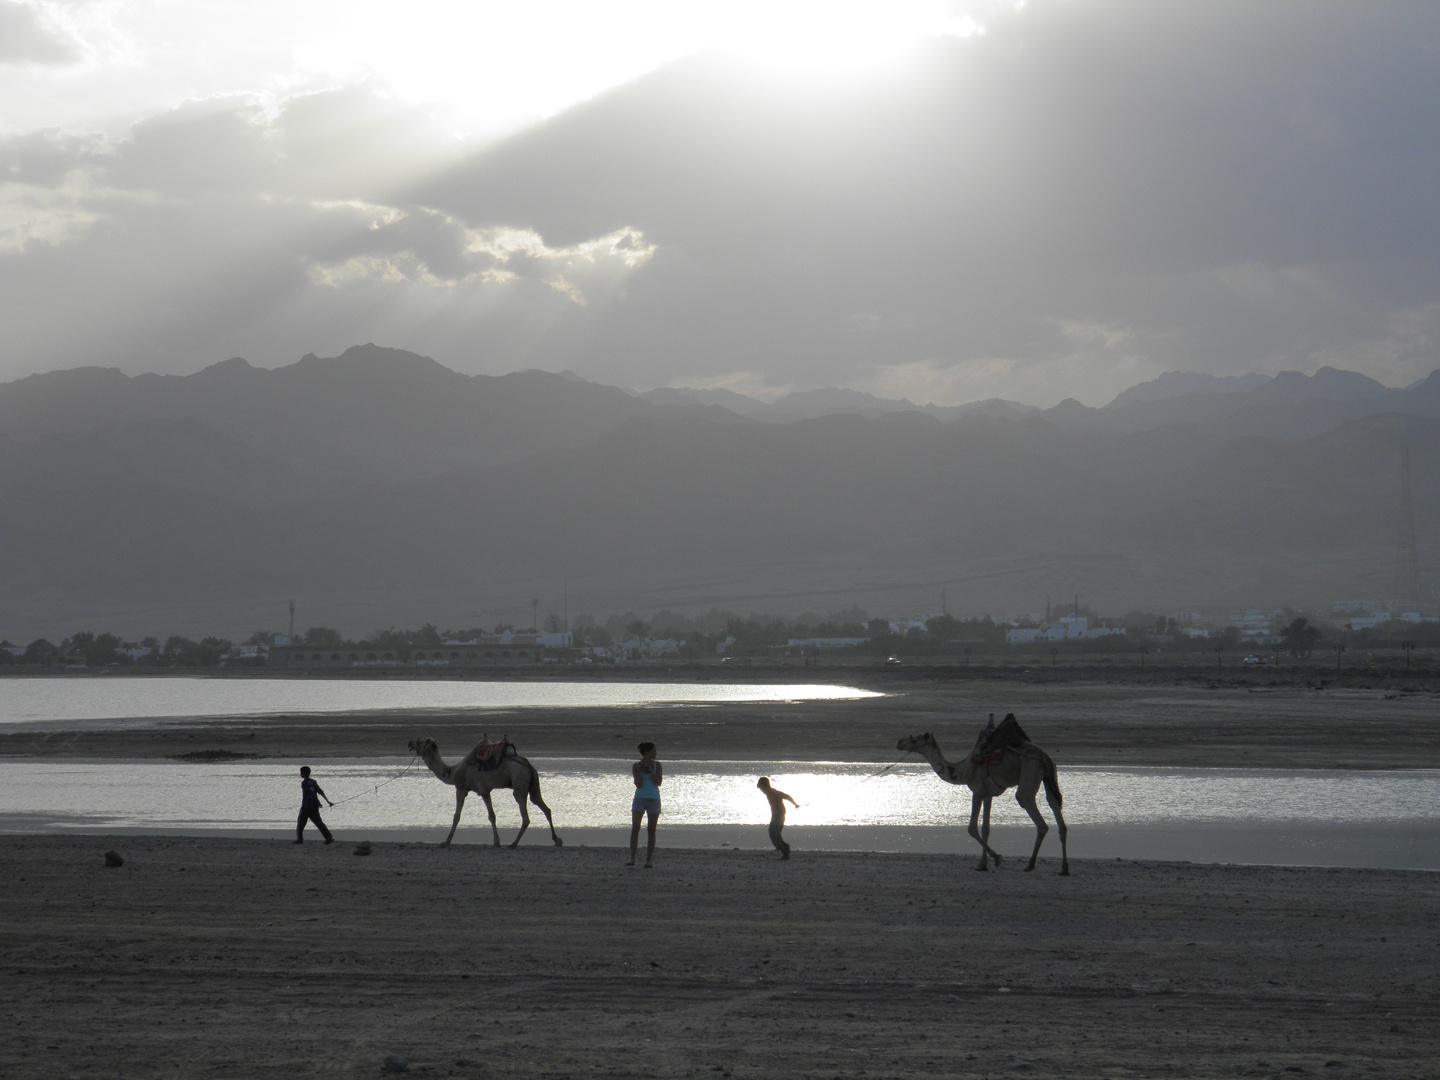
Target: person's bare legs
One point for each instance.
(649, 838)
(635, 816)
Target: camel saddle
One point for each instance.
(490, 755)
(1008, 733)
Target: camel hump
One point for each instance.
(1006, 734)
(1010, 731)
(490, 755)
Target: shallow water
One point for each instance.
(75, 703)
(596, 793)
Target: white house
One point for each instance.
(825, 642)
(1065, 628)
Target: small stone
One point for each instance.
(395, 1063)
(363, 848)
(1395, 1029)
(1021, 1066)
(112, 858)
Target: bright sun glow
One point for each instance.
(832, 39)
(485, 66)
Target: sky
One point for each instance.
(940, 201)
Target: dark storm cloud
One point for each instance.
(28, 37)
(1089, 194)
(1244, 180)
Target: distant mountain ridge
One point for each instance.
(1178, 383)
(371, 413)
(832, 401)
(1290, 406)
(379, 485)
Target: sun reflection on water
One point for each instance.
(264, 795)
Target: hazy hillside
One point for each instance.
(379, 488)
(1291, 405)
(370, 414)
(1178, 383)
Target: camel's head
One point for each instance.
(913, 744)
(423, 747)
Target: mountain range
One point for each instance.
(380, 487)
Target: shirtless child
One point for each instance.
(777, 814)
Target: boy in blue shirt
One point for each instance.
(310, 796)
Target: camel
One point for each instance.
(1023, 766)
(514, 773)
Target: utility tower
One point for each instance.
(1406, 590)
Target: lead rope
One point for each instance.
(864, 780)
(398, 776)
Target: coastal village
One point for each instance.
(1258, 635)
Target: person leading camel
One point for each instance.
(648, 776)
(310, 795)
(777, 814)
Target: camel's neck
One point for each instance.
(949, 771)
(438, 767)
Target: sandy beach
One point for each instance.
(225, 957)
(231, 958)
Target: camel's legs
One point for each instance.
(460, 794)
(1025, 796)
(546, 810)
(980, 802)
(524, 815)
(490, 809)
(1060, 825)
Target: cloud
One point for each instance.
(1083, 196)
(224, 227)
(1113, 358)
(35, 34)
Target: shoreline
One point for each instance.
(1410, 846)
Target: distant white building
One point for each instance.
(914, 622)
(1366, 622)
(1065, 628)
(244, 652)
(1364, 607)
(1015, 618)
(1254, 619)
